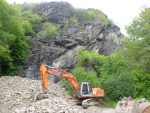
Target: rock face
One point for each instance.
(61, 50)
(55, 12)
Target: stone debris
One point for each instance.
(128, 105)
(19, 95)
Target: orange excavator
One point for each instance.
(82, 91)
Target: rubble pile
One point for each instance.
(18, 95)
(21, 95)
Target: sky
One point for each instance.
(121, 12)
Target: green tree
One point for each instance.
(137, 53)
(13, 43)
(108, 72)
(33, 19)
(141, 80)
(115, 76)
(138, 42)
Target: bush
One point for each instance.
(116, 79)
(88, 15)
(141, 83)
(33, 19)
(93, 57)
(66, 23)
(49, 29)
(84, 75)
(110, 71)
(109, 23)
(74, 20)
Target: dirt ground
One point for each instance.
(18, 95)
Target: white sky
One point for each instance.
(120, 11)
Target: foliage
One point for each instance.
(33, 21)
(138, 43)
(141, 83)
(115, 76)
(111, 73)
(27, 28)
(87, 15)
(109, 23)
(84, 75)
(74, 20)
(93, 57)
(49, 29)
(13, 43)
(66, 23)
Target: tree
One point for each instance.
(137, 53)
(13, 48)
(33, 19)
(138, 43)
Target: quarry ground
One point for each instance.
(18, 95)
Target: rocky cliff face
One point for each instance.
(61, 50)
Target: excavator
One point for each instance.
(82, 91)
(85, 93)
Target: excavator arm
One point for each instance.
(44, 71)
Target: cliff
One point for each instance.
(78, 29)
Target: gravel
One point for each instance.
(19, 95)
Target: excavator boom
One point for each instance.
(58, 73)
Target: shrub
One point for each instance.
(84, 75)
(88, 15)
(74, 20)
(111, 72)
(109, 23)
(66, 23)
(141, 83)
(116, 79)
(49, 29)
(33, 19)
(93, 57)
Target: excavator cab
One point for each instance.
(85, 90)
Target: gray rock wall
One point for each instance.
(61, 50)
